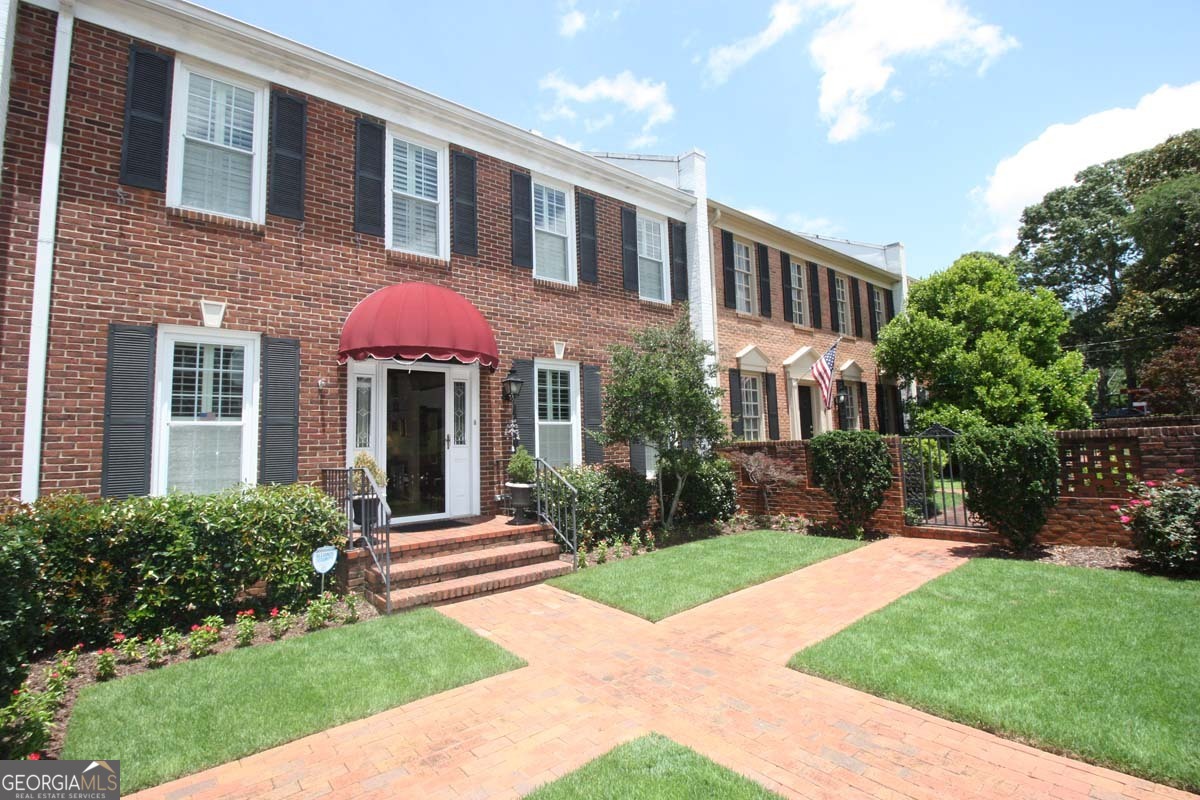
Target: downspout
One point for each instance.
(43, 275)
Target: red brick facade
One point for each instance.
(1082, 516)
(123, 256)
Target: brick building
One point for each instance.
(201, 222)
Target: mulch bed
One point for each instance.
(86, 665)
(1066, 555)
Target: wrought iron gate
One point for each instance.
(933, 487)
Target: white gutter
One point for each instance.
(43, 275)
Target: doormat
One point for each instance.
(436, 525)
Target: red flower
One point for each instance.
(34, 757)
(1115, 507)
(53, 674)
(1125, 519)
(16, 692)
(274, 612)
(1152, 484)
(118, 637)
(195, 627)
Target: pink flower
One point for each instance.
(16, 692)
(34, 757)
(1126, 519)
(1180, 471)
(195, 627)
(118, 637)
(1152, 484)
(1114, 507)
(274, 612)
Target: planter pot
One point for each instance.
(366, 511)
(520, 493)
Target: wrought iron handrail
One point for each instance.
(355, 485)
(556, 502)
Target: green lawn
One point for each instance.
(651, 768)
(170, 722)
(659, 584)
(1097, 664)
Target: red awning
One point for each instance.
(417, 320)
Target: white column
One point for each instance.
(693, 177)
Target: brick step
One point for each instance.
(415, 572)
(427, 544)
(471, 585)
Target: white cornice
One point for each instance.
(197, 31)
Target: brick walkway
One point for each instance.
(711, 678)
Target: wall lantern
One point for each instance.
(512, 385)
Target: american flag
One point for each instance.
(822, 372)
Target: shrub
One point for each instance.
(145, 563)
(27, 722)
(709, 496)
(106, 664)
(1010, 478)
(319, 612)
(521, 468)
(279, 622)
(156, 652)
(351, 615)
(612, 500)
(129, 648)
(855, 470)
(203, 639)
(172, 641)
(1165, 522)
(243, 630)
(602, 552)
(20, 607)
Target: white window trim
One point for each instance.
(666, 258)
(878, 308)
(842, 282)
(753, 277)
(168, 335)
(569, 192)
(443, 155)
(799, 293)
(184, 68)
(572, 367)
(853, 412)
(760, 385)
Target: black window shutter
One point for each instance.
(525, 403)
(593, 417)
(679, 262)
(522, 220)
(128, 411)
(629, 249)
(279, 441)
(585, 205)
(464, 222)
(369, 144)
(864, 406)
(285, 159)
(856, 304)
(806, 410)
(785, 272)
(772, 406)
(890, 303)
(814, 294)
(735, 402)
(874, 323)
(883, 410)
(763, 259)
(727, 269)
(897, 410)
(835, 322)
(637, 457)
(842, 406)
(147, 119)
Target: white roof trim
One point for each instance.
(753, 359)
(799, 354)
(851, 366)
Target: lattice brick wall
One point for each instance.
(1099, 468)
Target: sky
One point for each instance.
(930, 122)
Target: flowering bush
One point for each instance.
(27, 722)
(611, 500)
(1164, 519)
(279, 622)
(106, 664)
(156, 652)
(243, 634)
(128, 647)
(635, 543)
(319, 612)
(203, 639)
(172, 641)
(602, 552)
(351, 615)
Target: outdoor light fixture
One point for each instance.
(512, 385)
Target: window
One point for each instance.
(743, 272)
(416, 198)
(843, 304)
(362, 412)
(653, 282)
(799, 296)
(557, 421)
(852, 419)
(878, 307)
(460, 412)
(206, 433)
(217, 133)
(651, 461)
(752, 427)
(552, 227)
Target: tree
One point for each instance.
(985, 350)
(1173, 377)
(663, 393)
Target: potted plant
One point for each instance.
(366, 508)
(521, 476)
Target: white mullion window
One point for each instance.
(799, 295)
(752, 427)
(654, 281)
(417, 215)
(206, 433)
(553, 232)
(557, 424)
(877, 308)
(853, 420)
(743, 274)
(843, 304)
(218, 131)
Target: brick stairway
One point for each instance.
(431, 567)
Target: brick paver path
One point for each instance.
(712, 678)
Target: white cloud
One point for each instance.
(572, 22)
(1052, 159)
(795, 221)
(635, 95)
(856, 45)
(642, 141)
(593, 124)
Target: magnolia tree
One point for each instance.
(663, 392)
